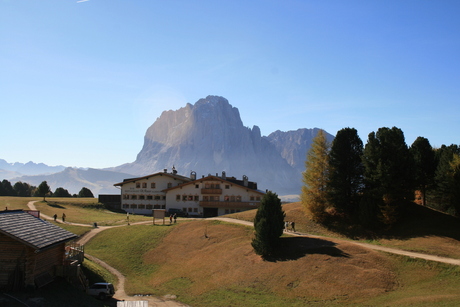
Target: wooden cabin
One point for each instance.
(31, 249)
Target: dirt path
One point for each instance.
(370, 246)
(120, 294)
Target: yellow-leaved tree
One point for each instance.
(315, 178)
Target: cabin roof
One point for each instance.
(32, 231)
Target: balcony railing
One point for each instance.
(211, 191)
(230, 204)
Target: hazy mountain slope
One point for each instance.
(209, 137)
(98, 181)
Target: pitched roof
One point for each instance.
(230, 180)
(32, 231)
(175, 176)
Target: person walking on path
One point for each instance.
(175, 218)
(55, 217)
(170, 219)
(63, 217)
(293, 226)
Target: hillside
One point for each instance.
(313, 269)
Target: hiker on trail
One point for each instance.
(170, 219)
(293, 226)
(286, 226)
(175, 218)
(63, 217)
(55, 217)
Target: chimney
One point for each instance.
(165, 170)
(224, 176)
(193, 175)
(245, 180)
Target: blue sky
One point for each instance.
(80, 82)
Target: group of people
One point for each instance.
(289, 226)
(63, 217)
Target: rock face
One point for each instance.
(209, 137)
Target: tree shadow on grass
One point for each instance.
(293, 248)
(55, 205)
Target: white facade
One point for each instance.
(141, 195)
(208, 196)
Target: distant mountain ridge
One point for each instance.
(207, 137)
(29, 168)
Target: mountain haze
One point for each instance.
(73, 179)
(209, 137)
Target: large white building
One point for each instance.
(207, 196)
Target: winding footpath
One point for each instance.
(169, 302)
(120, 293)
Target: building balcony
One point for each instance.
(211, 191)
(230, 204)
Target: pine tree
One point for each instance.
(346, 171)
(315, 178)
(388, 174)
(424, 165)
(268, 225)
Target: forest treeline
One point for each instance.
(371, 185)
(24, 189)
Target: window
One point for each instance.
(150, 197)
(197, 198)
(149, 207)
(157, 197)
(195, 209)
(232, 211)
(177, 197)
(133, 196)
(156, 206)
(258, 198)
(169, 185)
(184, 197)
(232, 198)
(125, 196)
(190, 209)
(217, 186)
(227, 186)
(141, 197)
(227, 211)
(251, 198)
(163, 197)
(205, 198)
(138, 185)
(125, 206)
(133, 206)
(227, 198)
(144, 185)
(163, 206)
(238, 198)
(214, 198)
(197, 186)
(152, 185)
(184, 209)
(190, 197)
(141, 207)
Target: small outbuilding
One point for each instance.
(31, 249)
